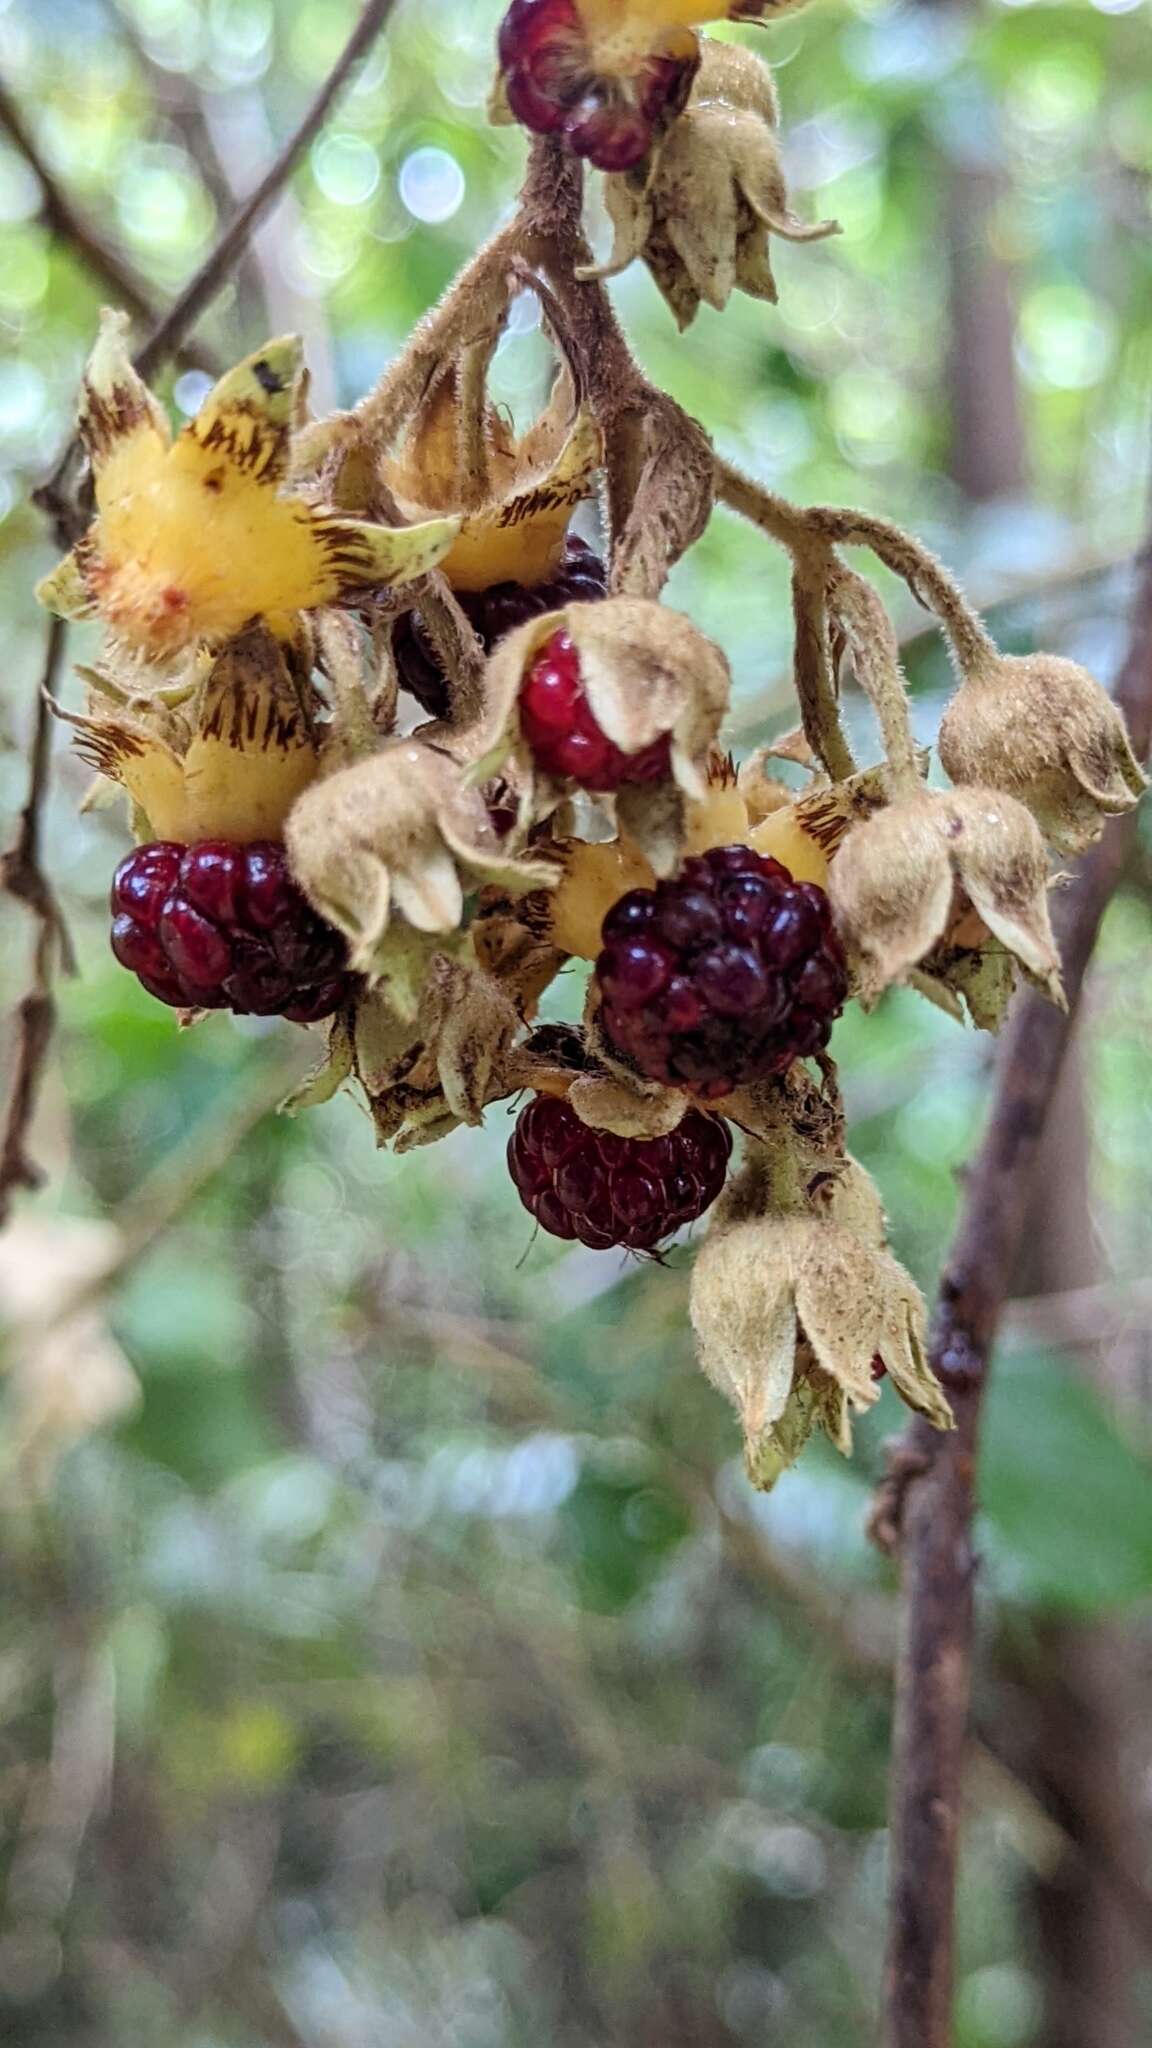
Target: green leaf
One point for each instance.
(1067, 1503)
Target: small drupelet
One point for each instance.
(724, 975)
(605, 1190)
(554, 88)
(564, 739)
(218, 926)
(579, 579)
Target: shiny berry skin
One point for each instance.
(580, 579)
(222, 927)
(605, 1190)
(724, 975)
(553, 86)
(557, 723)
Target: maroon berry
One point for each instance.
(726, 974)
(608, 1190)
(557, 722)
(553, 87)
(224, 927)
(491, 613)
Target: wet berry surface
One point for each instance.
(724, 975)
(223, 927)
(605, 1190)
(557, 722)
(554, 88)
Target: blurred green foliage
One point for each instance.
(412, 1664)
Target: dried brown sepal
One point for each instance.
(796, 1309)
(398, 833)
(702, 212)
(609, 1103)
(894, 882)
(647, 672)
(1042, 728)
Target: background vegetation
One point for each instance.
(391, 1650)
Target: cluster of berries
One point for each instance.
(555, 88)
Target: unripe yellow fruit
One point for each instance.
(595, 877)
(720, 818)
(781, 837)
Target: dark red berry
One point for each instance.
(579, 579)
(224, 927)
(553, 87)
(607, 1190)
(557, 722)
(724, 975)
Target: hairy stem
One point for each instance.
(876, 660)
(925, 1506)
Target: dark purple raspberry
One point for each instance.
(724, 975)
(224, 927)
(557, 722)
(553, 86)
(606, 1190)
(580, 579)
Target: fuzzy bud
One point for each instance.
(895, 882)
(1042, 728)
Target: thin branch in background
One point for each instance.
(69, 226)
(925, 1506)
(213, 273)
(22, 876)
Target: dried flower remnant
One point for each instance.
(900, 878)
(702, 215)
(193, 536)
(1043, 729)
(799, 1310)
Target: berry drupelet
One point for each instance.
(606, 1190)
(557, 723)
(724, 975)
(579, 579)
(554, 87)
(223, 927)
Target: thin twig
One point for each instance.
(212, 274)
(926, 1504)
(22, 876)
(69, 226)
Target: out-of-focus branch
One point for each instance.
(214, 271)
(22, 876)
(69, 225)
(925, 1507)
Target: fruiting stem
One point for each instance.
(929, 581)
(876, 658)
(472, 466)
(814, 674)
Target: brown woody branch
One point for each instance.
(22, 876)
(925, 1506)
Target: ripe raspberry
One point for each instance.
(224, 927)
(606, 1190)
(724, 975)
(554, 89)
(580, 579)
(557, 722)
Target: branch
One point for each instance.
(113, 270)
(926, 1504)
(22, 876)
(212, 275)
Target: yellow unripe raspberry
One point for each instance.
(719, 819)
(595, 878)
(781, 837)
